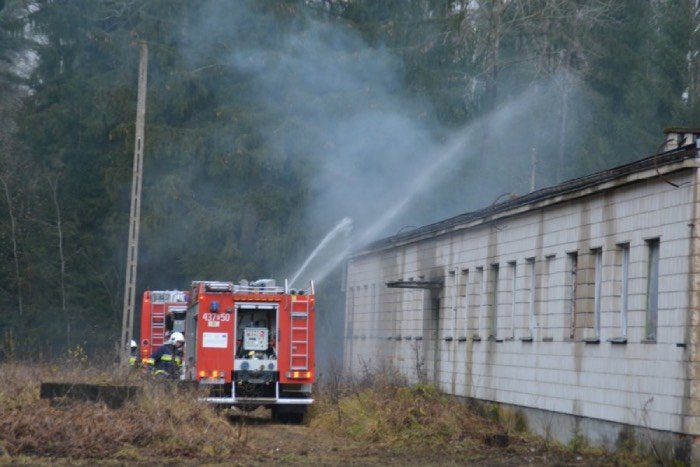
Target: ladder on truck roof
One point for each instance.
(160, 302)
(157, 325)
(299, 342)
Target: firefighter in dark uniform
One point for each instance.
(166, 361)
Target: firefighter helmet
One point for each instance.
(176, 337)
(133, 345)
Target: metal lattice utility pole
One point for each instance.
(135, 212)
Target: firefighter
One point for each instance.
(167, 359)
(133, 355)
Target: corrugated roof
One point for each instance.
(570, 186)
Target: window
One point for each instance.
(455, 289)
(652, 289)
(480, 303)
(597, 289)
(350, 325)
(514, 283)
(493, 332)
(532, 318)
(624, 250)
(351, 313)
(464, 291)
(546, 307)
(374, 309)
(571, 289)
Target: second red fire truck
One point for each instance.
(162, 312)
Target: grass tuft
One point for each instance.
(390, 413)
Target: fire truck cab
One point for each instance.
(251, 344)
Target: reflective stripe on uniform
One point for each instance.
(150, 361)
(166, 358)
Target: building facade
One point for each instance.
(577, 304)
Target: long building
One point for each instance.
(578, 304)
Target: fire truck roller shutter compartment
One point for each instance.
(256, 342)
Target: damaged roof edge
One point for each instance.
(521, 203)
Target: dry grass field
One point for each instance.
(375, 420)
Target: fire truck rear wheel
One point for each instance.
(248, 407)
(285, 415)
(274, 414)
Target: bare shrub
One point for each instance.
(419, 361)
(332, 384)
(513, 420)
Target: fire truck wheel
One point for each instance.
(279, 415)
(296, 418)
(248, 407)
(275, 414)
(284, 415)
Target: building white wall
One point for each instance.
(639, 382)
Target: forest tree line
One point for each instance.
(257, 110)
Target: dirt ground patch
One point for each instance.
(269, 442)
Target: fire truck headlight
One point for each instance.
(202, 374)
(214, 374)
(245, 366)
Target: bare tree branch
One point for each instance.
(15, 250)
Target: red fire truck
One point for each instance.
(161, 311)
(252, 344)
